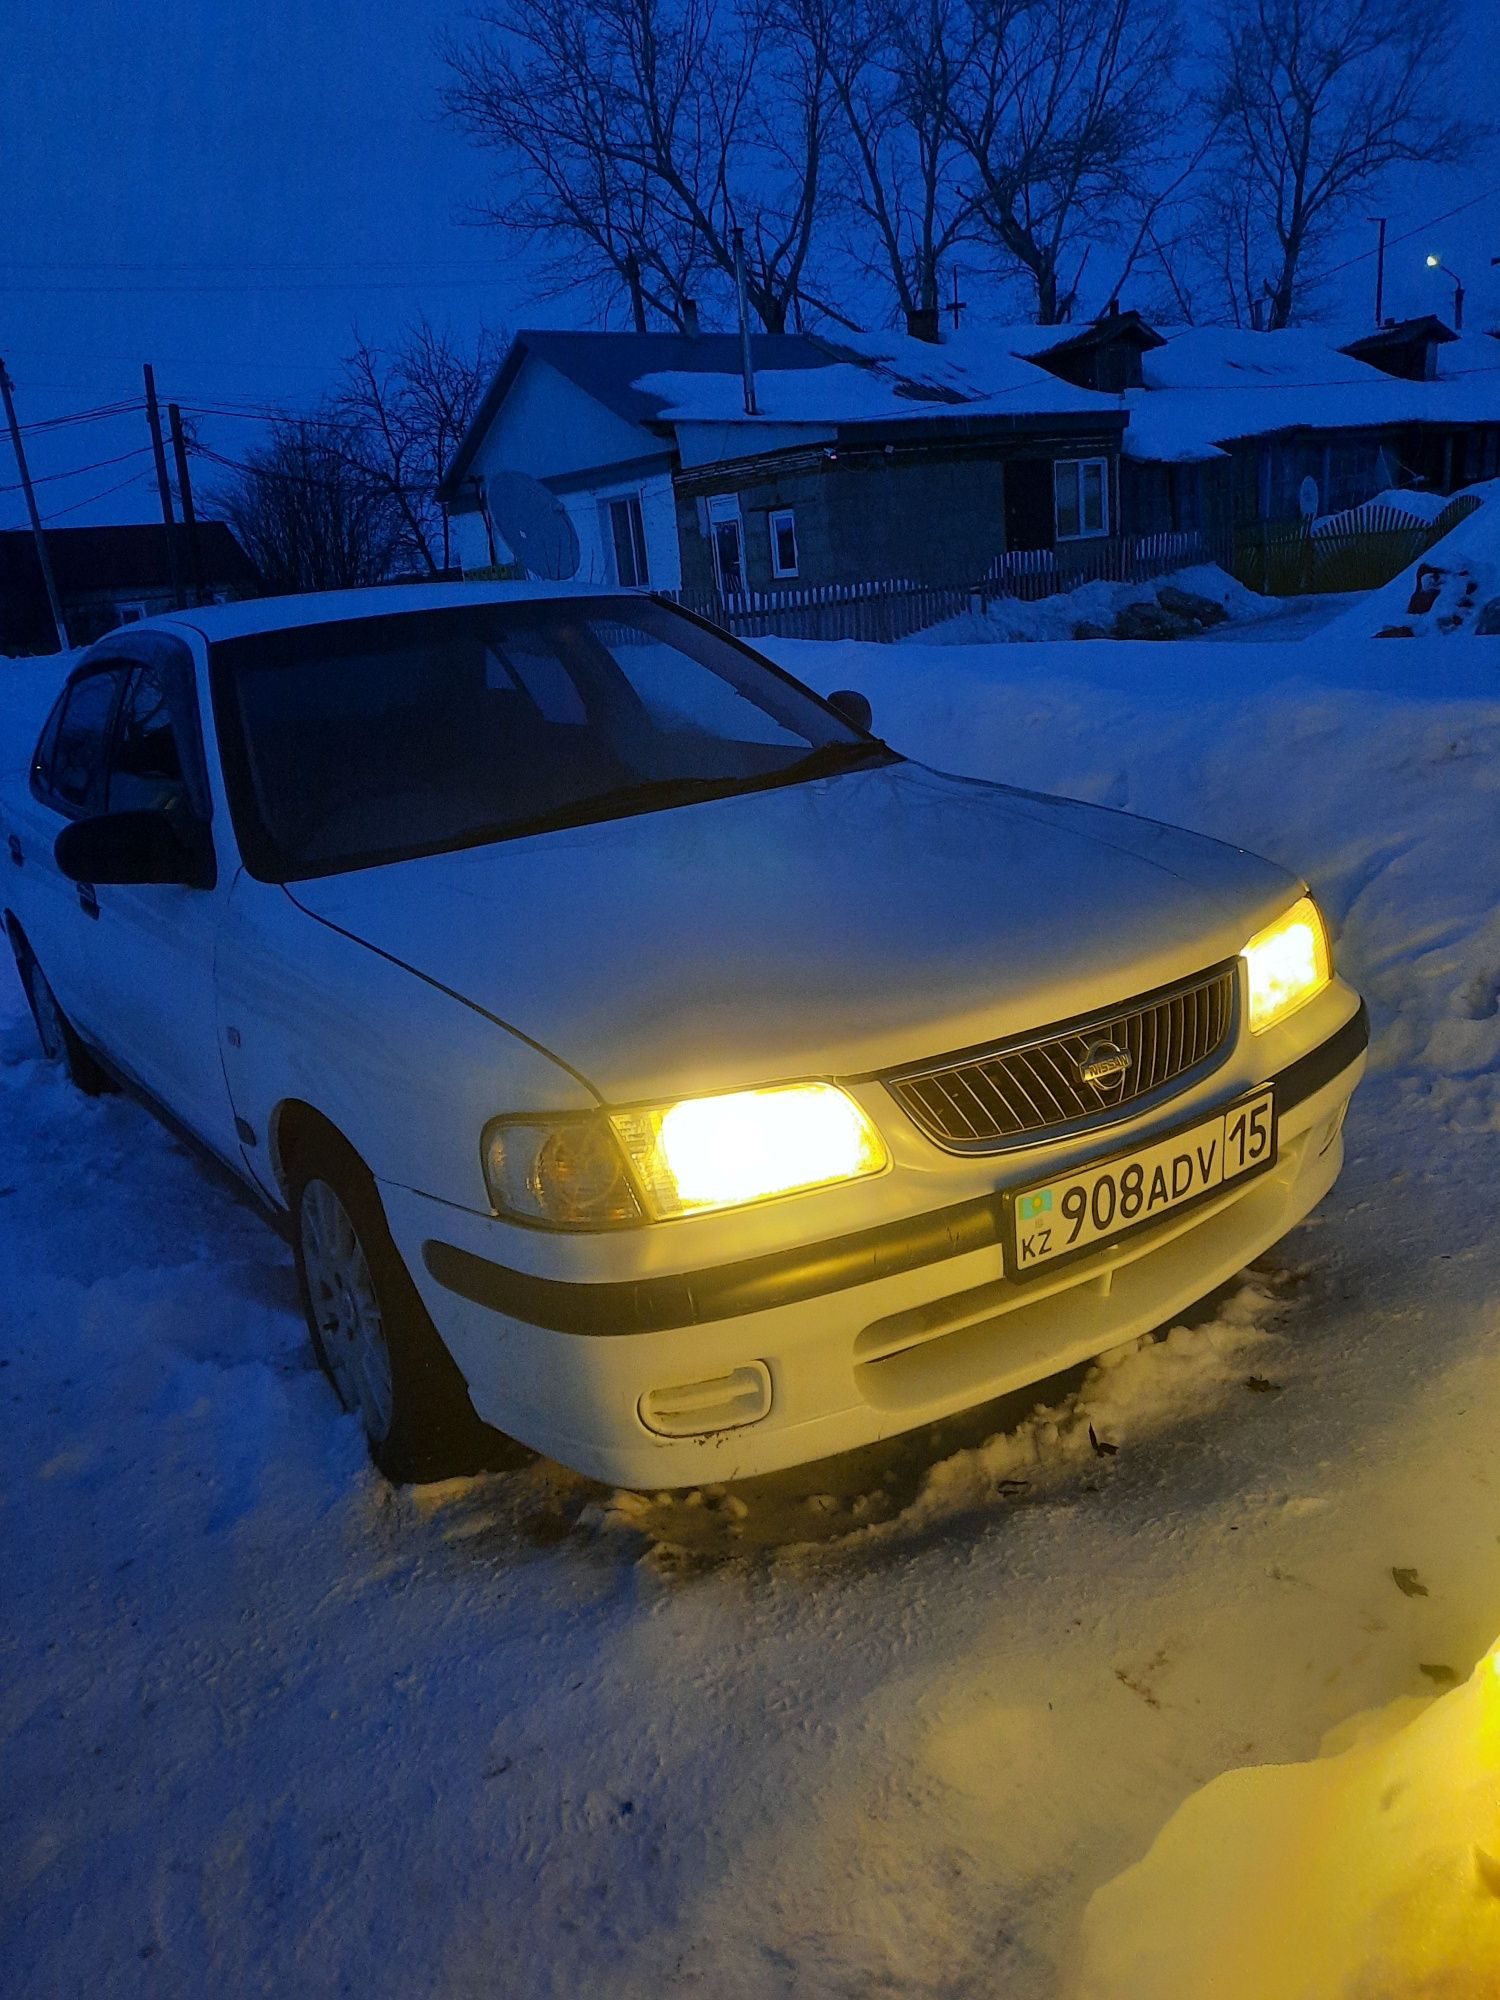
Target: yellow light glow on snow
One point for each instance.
(1289, 961)
(721, 1152)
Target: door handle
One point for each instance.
(88, 901)
(16, 855)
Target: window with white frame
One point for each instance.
(628, 538)
(1080, 488)
(782, 522)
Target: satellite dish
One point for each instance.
(534, 525)
(1307, 499)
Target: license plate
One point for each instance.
(1109, 1199)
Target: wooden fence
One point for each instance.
(1356, 551)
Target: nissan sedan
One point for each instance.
(646, 1060)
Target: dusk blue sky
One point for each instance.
(228, 188)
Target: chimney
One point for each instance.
(922, 323)
(690, 318)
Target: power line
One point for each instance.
(99, 464)
(1421, 229)
(121, 409)
(74, 505)
(378, 487)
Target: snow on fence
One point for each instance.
(1359, 550)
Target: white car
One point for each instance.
(647, 1061)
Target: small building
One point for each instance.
(107, 577)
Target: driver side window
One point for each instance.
(68, 773)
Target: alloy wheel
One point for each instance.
(346, 1309)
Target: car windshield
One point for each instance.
(377, 739)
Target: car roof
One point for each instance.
(254, 615)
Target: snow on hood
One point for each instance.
(819, 929)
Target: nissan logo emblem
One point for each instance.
(1103, 1065)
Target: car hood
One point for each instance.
(829, 928)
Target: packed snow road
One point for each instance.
(268, 1727)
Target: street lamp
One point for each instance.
(1435, 263)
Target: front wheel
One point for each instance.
(55, 1032)
(370, 1331)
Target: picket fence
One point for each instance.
(1359, 550)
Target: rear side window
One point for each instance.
(75, 776)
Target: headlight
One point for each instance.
(720, 1152)
(604, 1170)
(1288, 962)
(565, 1171)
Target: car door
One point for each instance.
(66, 782)
(153, 963)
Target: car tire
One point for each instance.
(55, 1032)
(372, 1335)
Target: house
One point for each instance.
(1231, 427)
(107, 577)
(869, 455)
(879, 456)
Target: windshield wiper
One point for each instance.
(831, 757)
(658, 794)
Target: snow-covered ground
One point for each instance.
(1249, 615)
(884, 1726)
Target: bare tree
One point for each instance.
(405, 410)
(1319, 99)
(304, 513)
(636, 136)
(895, 169)
(1069, 111)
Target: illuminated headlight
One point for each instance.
(1288, 962)
(605, 1170)
(721, 1152)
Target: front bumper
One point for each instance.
(851, 1338)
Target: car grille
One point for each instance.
(1032, 1088)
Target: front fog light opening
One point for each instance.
(748, 1146)
(1287, 964)
(718, 1403)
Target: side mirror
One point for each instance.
(853, 707)
(133, 847)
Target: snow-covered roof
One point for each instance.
(884, 378)
(1204, 386)
(1208, 385)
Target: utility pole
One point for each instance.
(441, 469)
(6, 385)
(747, 358)
(153, 418)
(185, 495)
(956, 304)
(1380, 273)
